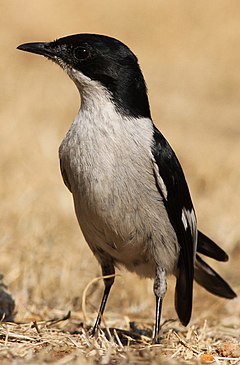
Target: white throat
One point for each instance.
(93, 94)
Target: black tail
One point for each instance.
(205, 275)
(209, 248)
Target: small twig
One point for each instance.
(54, 321)
(2, 318)
(35, 325)
(17, 336)
(227, 358)
(176, 352)
(6, 338)
(118, 339)
(184, 343)
(73, 342)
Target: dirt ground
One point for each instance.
(190, 55)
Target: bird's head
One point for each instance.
(105, 60)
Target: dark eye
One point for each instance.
(80, 53)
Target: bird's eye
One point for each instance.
(80, 53)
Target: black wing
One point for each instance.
(172, 185)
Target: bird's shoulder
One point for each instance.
(170, 178)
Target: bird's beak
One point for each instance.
(42, 48)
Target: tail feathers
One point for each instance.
(211, 280)
(183, 293)
(209, 248)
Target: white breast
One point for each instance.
(107, 159)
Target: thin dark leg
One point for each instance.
(106, 270)
(160, 288)
(157, 320)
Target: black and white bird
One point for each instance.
(130, 195)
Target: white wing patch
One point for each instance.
(160, 181)
(184, 219)
(189, 220)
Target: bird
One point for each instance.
(129, 190)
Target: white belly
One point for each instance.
(117, 204)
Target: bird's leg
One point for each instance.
(107, 269)
(159, 288)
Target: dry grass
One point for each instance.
(37, 343)
(190, 55)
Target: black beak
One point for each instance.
(42, 48)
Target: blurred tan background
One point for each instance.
(189, 52)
